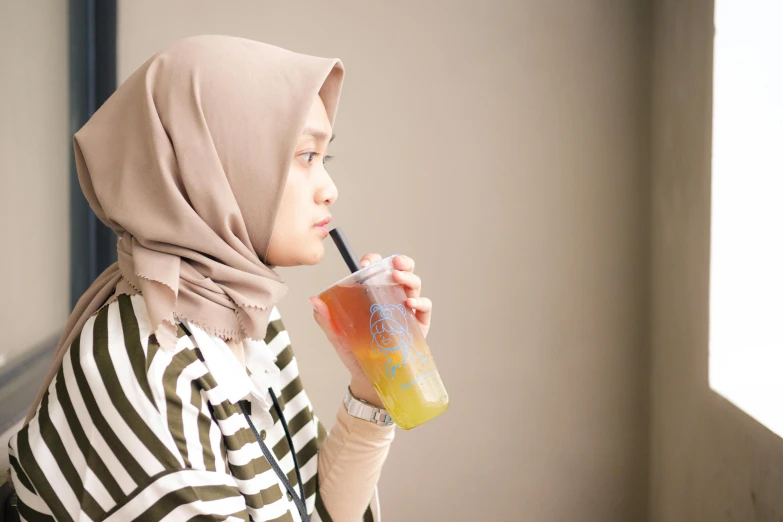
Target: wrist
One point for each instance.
(361, 409)
(364, 391)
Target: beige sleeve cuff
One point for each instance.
(349, 465)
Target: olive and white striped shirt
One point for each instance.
(128, 431)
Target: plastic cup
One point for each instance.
(368, 309)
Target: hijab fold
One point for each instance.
(186, 162)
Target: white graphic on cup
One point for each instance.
(390, 335)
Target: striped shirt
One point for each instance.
(127, 431)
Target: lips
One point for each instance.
(324, 222)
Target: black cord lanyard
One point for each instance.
(299, 501)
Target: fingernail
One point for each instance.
(365, 263)
(315, 306)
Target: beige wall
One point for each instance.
(503, 146)
(709, 460)
(34, 158)
(34, 194)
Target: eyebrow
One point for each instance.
(318, 134)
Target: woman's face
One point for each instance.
(297, 238)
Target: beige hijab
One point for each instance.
(187, 162)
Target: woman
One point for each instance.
(166, 394)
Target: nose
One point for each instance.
(327, 192)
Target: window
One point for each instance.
(746, 276)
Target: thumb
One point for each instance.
(324, 318)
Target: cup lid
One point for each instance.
(363, 275)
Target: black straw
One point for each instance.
(345, 249)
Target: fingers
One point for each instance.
(410, 281)
(369, 259)
(404, 276)
(404, 263)
(423, 308)
(400, 262)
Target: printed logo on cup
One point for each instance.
(391, 337)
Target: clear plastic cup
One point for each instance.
(369, 310)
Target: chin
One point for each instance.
(315, 256)
(304, 253)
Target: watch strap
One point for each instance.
(362, 410)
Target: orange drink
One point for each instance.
(368, 308)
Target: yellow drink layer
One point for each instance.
(385, 338)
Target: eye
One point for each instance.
(309, 157)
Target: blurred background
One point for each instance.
(548, 166)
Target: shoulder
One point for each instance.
(116, 351)
(101, 417)
(112, 388)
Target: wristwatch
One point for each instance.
(362, 410)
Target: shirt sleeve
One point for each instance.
(105, 444)
(182, 495)
(349, 467)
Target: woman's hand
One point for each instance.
(421, 308)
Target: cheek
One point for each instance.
(298, 209)
(296, 241)
(292, 218)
